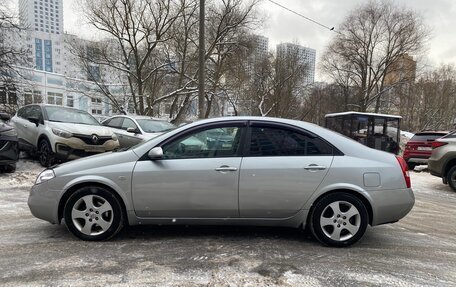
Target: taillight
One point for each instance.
(405, 171)
(436, 144)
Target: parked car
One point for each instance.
(419, 148)
(61, 133)
(273, 172)
(133, 130)
(9, 152)
(442, 162)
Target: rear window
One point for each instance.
(426, 137)
(451, 135)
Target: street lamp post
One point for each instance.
(201, 55)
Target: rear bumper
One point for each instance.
(391, 205)
(417, 160)
(434, 168)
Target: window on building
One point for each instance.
(96, 111)
(70, 101)
(55, 98)
(37, 98)
(96, 100)
(3, 95)
(28, 98)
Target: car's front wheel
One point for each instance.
(451, 178)
(339, 219)
(45, 153)
(93, 213)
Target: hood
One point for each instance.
(82, 129)
(88, 164)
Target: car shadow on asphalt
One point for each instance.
(210, 232)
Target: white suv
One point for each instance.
(61, 133)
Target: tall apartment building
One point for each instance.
(304, 54)
(44, 20)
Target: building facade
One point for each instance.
(52, 73)
(304, 55)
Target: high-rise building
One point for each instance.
(44, 20)
(53, 74)
(403, 70)
(304, 55)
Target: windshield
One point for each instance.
(154, 126)
(64, 115)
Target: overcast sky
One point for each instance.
(283, 26)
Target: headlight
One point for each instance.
(114, 137)
(62, 133)
(45, 176)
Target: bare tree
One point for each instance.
(369, 41)
(139, 28)
(12, 54)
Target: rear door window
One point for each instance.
(274, 141)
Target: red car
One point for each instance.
(419, 148)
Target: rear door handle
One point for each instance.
(225, 168)
(314, 167)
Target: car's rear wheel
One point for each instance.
(339, 219)
(45, 154)
(93, 213)
(451, 178)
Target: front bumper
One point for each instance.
(391, 205)
(44, 203)
(74, 148)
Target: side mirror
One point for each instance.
(133, 130)
(5, 117)
(155, 153)
(34, 120)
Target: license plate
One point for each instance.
(424, 148)
(89, 148)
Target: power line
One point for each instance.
(299, 14)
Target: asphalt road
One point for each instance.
(419, 250)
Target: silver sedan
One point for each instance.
(238, 170)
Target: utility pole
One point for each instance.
(201, 60)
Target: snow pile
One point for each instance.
(25, 174)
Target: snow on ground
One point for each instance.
(26, 172)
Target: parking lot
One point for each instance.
(419, 250)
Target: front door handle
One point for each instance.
(314, 167)
(225, 168)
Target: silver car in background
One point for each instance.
(131, 130)
(238, 170)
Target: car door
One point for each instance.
(197, 177)
(26, 130)
(115, 124)
(281, 170)
(130, 138)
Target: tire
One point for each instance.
(10, 168)
(45, 154)
(350, 216)
(411, 165)
(93, 213)
(451, 178)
